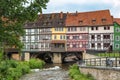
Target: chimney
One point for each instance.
(67, 14)
(61, 15)
(76, 13)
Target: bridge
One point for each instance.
(54, 57)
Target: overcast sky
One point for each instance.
(83, 6)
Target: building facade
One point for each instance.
(38, 35)
(58, 43)
(101, 30)
(77, 32)
(116, 46)
(68, 32)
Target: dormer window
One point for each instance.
(103, 20)
(49, 17)
(60, 23)
(80, 22)
(93, 21)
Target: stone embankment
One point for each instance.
(102, 73)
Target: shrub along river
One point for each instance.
(50, 72)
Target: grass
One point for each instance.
(108, 54)
(75, 74)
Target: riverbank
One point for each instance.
(13, 70)
(76, 74)
(50, 72)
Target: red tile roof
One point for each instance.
(92, 18)
(117, 20)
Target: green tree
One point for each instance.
(13, 15)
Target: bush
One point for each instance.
(36, 63)
(75, 73)
(13, 70)
(24, 68)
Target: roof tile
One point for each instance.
(92, 18)
(117, 20)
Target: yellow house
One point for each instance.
(59, 33)
(59, 39)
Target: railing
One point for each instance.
(105, 62)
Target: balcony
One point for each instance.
(54, 49)
(58, 47)
(58, 41)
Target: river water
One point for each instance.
(50, 72)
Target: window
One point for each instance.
(117, 38)
(92, 36)
(93, 45)
(92, 28)
(60, 36)
(42, 45)
(80, 22)
(31, 46)
(55, 37)
(28, 31)
(117, 46)
(73, 29)
(56, 45)
(59, 29)
(75, 37)
(93, 21)
(84, 45)
(74, 46)
(36, 46)
(36, 31)
(96, 28)
(82, 28)
(106, 27)
(46, 45)
(117, 29)
(103, 20)
(29, 38)
(68, 29)
(99, 45)
(98, 36)
(36, 38)
(61, 45)
(106, 36)
(64, 37)
(28, 47)
(68, 45)
(68, 37)
(106, 45)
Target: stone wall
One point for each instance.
(27, 56)
(107, 73)
(57, 58)
(16, 56)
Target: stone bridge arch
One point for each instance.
(46, 56)
(72, 56)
